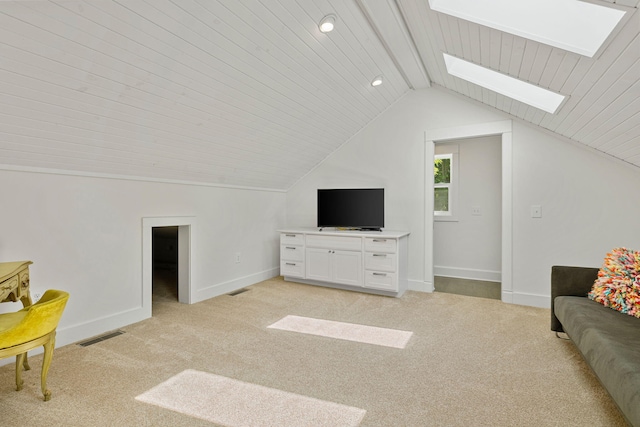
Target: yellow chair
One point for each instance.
(32, 327)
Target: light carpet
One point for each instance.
(470, 362)
(344, 331)
(236, 403)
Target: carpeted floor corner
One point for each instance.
(470, 361)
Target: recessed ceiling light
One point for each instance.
(576, 26)
(508, 86)
(377, 81)
(327, 23)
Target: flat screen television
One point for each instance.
(361, 208)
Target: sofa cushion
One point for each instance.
(618, 282)
(610, 343)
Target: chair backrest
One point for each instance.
(40, 319)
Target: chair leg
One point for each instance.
(19, 364)
(46, 363)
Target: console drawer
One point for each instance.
(335, 242)
(292, 268)
(380, 280)
(380, 244)
(292, 239)
(292, 253)
(380, 261)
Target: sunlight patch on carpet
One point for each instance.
(344, 331)
(234, 403)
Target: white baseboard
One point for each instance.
(507, 296)
(420, 286)
(234, 285)
(467, 273)
(340, 286)
(76, 333)
(532, 300)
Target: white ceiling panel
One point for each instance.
(250, 93)
(223, 92)
(601, 109)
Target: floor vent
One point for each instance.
(239, 291)
(100, 338)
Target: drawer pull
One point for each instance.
(290, 263)
(381, 255)
(379, 240)
(380, 274)
(290, 247)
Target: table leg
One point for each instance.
(26, 302)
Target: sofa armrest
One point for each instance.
(569, 281)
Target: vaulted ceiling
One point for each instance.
(251, 93)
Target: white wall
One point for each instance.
(84, 235)
(470, 246)
(389, 153)
(589, 201)
(590, 204)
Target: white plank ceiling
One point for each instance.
(602, 108)
(250, 93)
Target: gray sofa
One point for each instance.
(608, 340)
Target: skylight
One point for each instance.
(572, 25)
(508, 86)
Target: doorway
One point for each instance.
(185, 230)
(504, 130)
(164, 263)
(467, 222)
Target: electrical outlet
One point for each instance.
(475, 210)
(35, 297)
(237, 257)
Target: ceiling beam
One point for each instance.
(387, 22)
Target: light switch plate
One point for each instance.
(536, 211)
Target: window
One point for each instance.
(577, 26)
(505, 85)
(445, 171)
(442, 183)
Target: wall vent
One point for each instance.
(239, 291)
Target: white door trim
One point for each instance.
(503, 128)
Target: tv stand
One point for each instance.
(365, 261)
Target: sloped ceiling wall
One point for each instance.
(244, 93)
(602, 105)
(250, 93)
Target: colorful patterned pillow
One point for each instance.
(618, 282)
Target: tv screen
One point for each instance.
(351, 207)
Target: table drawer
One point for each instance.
(7, 286)
(292, 253)
(292, 268)
(292, 239)
(381, 280)
(380, 244)
(380, 261)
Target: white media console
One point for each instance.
(366, 261)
